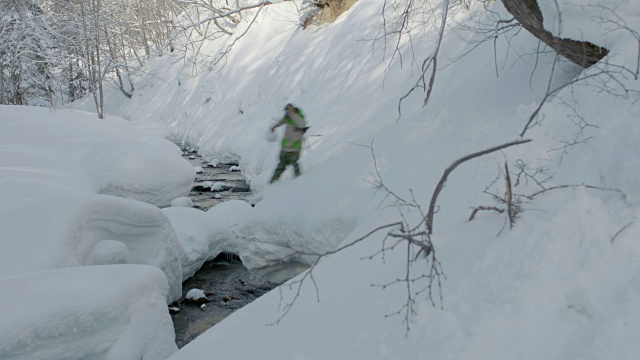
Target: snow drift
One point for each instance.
(115, 312)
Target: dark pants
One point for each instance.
(287, 158)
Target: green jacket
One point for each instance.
(296, 127)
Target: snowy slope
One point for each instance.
(553, 287)
(562, 284)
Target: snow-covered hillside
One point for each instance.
(554, 286)
(562, 283)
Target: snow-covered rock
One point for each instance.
(196, 295)
(219, 186)
(108, 252)
(195, 233)
(182, 202)
(64, 232)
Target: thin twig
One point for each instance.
(622, 230)
(479, 208)
(575, 186)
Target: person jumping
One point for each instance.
(292, 140)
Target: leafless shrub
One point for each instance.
(423, 280)
(507, 201)
(578, 136)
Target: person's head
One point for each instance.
(289, 107)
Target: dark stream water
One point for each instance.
(227, 284)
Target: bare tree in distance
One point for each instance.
(55, 52)
(202, 20)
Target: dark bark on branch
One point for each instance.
(443, 179)
(511, 211)
(476, 209)
(528, 13)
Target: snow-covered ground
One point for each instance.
(91, 312)
(563, 283)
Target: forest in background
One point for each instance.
(56, 52)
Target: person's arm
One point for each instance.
(281, 122)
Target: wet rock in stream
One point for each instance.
(217, 184)
(228, 286)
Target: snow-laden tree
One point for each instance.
(54, 52)
(28, 56)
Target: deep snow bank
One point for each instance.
(59, 219)
(115, 312)
(52, 164)
(75, 150)
(261, 242)
(65, 231)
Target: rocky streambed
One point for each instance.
(223, 284)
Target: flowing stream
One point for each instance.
(227, 284)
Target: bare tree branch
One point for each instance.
(479, 208)
(528, 13)
(511, 211)
(431, 62)
(309, 273)
(543, 191)
(628, 225)
(455, 164)
(222, 14)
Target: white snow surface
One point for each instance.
(563, 283)
(182, 202)
(65, 231)
(73, 151)
(260, 241)
(115, 312)
(108, 252)
(64, 177)
(195, 294)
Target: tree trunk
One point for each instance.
(72, 85)
(93, 82)
(114, 57)
(528, 13)
(17, 91)
(2, 98)
(91, 61)
(143, 29)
